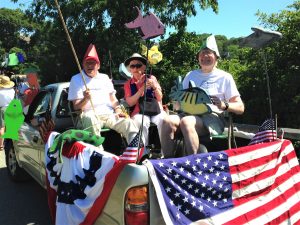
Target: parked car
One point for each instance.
(27, 157)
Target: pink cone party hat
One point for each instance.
(91, 54)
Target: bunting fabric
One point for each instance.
(79, 187)
(266, 133)
(257, 184)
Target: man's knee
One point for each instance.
(186, 124)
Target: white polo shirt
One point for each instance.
(100, 87)
(218, 83)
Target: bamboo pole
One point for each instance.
(73, 49)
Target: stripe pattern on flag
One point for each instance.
(266, 133)
(257, 184)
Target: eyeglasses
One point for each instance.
(136, 66)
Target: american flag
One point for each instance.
(257, 184)
(79, 187)
(131, 152)
(266, 133)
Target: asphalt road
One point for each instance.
(22, 203)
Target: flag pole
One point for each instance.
(145, 99)
(275, 127)
(110, 64)
(268, 83)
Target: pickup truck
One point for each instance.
(27, 157)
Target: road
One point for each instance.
(22, 203)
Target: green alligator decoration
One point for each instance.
(72, 136)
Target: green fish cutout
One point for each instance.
(13, 119)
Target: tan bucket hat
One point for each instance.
(5, 82)
(135, 56)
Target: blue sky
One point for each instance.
(235, 17)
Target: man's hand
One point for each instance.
(119, 113)
(216, 101)
(87, 94)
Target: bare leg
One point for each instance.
(2, 129)
(168, 129)
(191, 127)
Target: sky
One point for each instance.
(235, 17)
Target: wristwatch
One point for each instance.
(226, 105)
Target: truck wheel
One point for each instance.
(15, 172)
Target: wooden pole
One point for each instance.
(73, 49)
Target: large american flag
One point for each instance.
(257, 184)
(266, 133)
(79, 187)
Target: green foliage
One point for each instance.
(99, 22)
(16, 29)
(102, 23)
(13, 27)
(282, 65)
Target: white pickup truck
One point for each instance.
(27, 156)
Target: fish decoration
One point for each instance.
(154, 55)
(193, 100)
(149, 25)
(13, 118)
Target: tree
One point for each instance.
(15, 30)
(283, 62)
(14, 26)
(99, 22)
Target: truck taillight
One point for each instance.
(136, 206)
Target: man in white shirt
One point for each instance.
(100, 91)
(223, 92)
(7, 94)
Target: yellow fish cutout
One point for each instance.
(191, 105)
(154, 55)
(144, 50)
(193, 100)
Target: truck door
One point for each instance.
(30, 144)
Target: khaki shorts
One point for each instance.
(214, 123)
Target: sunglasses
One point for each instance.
(136, 66)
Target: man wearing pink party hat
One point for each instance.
(100, 90)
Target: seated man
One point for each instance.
(97, 101)
(223, 93)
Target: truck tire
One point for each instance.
(15, 172)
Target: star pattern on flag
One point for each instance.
(266, 133)
(197, 187)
